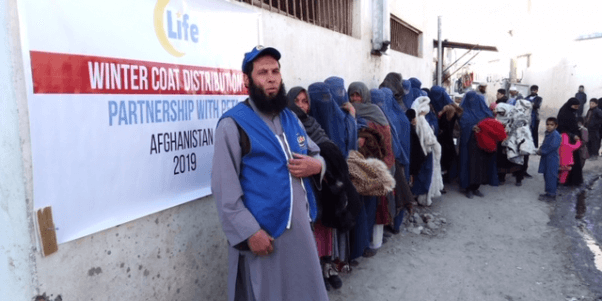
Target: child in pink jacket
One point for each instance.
(566, 156)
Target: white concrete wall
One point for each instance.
(559, 74)
(559, 63)
(311, 53)
(179, 253)
(17, 259)
(176, 254)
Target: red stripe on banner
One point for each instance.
(59, 73)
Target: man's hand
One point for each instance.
(260, 243)
(302, 166)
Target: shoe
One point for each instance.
(331, 276)
(547, 197)
(519, 183)
(327, 284)
(528, 176)
(469, 194)
(443, 191)
(343, 267)
(478, 193)
(387, 234)
(369, 253)
(354, 263)
(385, 240)
(335, 281)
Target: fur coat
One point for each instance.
(371, 177)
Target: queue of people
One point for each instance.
(309, 181)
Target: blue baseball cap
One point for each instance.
(257, 51)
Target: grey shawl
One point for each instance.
(366, 109)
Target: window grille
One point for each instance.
(332, 14)
(404, 37)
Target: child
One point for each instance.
(549, 163)
(566, 156)
(583, 152)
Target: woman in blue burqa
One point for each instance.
(412, 91)
(328, 114)
(333, 120)
(339, 202)
(415, 92)
(400, 131)
(448, 113)
(339, 94)
(477, 166)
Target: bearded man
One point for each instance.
(262, 164)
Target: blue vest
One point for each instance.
(264, 176)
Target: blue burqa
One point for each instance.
(475, 110)
(406, 85)
(439, 98)
(328, 114)
(415, 83)
(410, 94)
(339, 93)
(400, 128)
(409, 98)
(380, 99)
(399, 121)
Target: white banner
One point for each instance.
(124, 98)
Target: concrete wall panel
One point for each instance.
(176, 254)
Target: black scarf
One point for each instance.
(567, 121)
(312, 127)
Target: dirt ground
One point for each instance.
(500, 247)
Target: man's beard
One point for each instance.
(268, 104)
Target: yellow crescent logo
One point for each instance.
(158, 21)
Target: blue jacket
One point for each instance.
(264, 176)
(550, 160)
